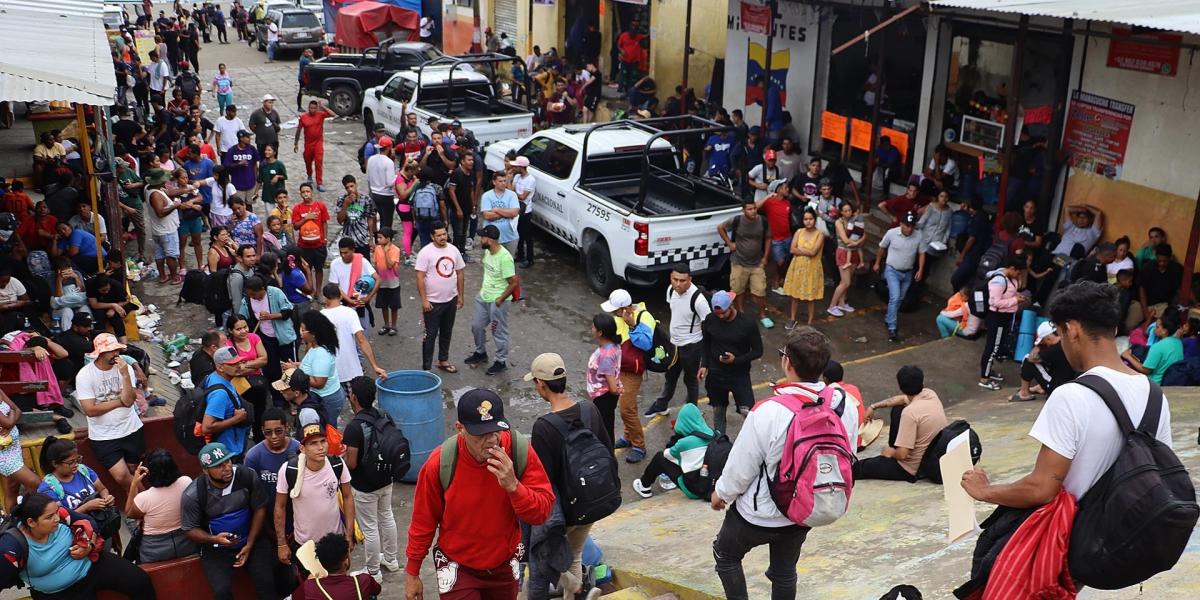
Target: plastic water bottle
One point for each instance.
(704, 471)
(175, 344)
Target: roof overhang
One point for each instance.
(55, 52)
(1170, 15)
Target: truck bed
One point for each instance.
(470, 108)
(665, 197)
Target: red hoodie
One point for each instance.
(476, 519)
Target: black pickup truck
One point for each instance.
(341, 78)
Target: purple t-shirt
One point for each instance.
(606, 360)
(241, 176)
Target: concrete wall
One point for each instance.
(667, 24)
(548, 28)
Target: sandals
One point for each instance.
(1016, 397)
(447, 368)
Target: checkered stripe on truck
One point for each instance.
(675, 255)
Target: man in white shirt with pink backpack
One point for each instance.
(800, 409)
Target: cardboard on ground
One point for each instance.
(960, 507)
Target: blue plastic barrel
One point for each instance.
(414, 401)
(1027, 333)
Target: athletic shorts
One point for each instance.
(316, 257)
(387, 298)
(754, 278)
(193, 225)
(166, 246)
(130, 448)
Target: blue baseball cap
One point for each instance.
(723, 300)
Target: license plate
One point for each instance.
(698, 264)
(303, 36)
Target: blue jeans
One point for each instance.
(947, 326)
(897, 283)
(334, 403)
(271, 50)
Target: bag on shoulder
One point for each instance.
(663, 354)
(703, 481)
(216, 291)
(813, 482)
(1137, 519)
(192, 291)
(188, 415)
(930, 467)
(591, 487)
(292, 473)
(978, 303)
(448, 457)
(13, 562)
(992, 258)
(737, 221)
(425, 204)
(386, 452)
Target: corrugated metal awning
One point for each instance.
(55, 51)
(1171, 15)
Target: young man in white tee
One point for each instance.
(352, 340)
(226, 127)
(106, 389)
(1079, 436)
(342, 272)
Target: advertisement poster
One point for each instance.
(1097, 133)
(1126, 52)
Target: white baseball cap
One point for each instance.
(618, 299)
(1045, 329)
(269, 97)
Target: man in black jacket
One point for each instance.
(731, 343)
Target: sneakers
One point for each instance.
(790, 325)
(476, 358)
(621, 443)
(990, 385)
(640, 489)
(665, 483)
(470, 244)
(320, 188)
(846, 308)
(835, 312)
(658, 408)
(384, 330)
(635, 455)
(778, 290)
(497, 368)
(393, 566)
(155, 401)
(377, 576)
(893, 336)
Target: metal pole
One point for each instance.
(89, 177)
(774, 5)
(1190, 262)
(880, 86)
(866, 34)
(687, 45)
(529, 36)
(1014, 93)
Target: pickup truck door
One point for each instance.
(390, 104)
(554, 205)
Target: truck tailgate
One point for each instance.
(688, 238)
(494, 129)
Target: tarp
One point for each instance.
(358, 23)
(55, 51)
(1172, 15)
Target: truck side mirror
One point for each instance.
(378, 94)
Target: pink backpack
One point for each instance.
(813, 483)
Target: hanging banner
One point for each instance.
(833, 127)
(1127, 52)
(1097, 133)
(756, 18)
(860, 134)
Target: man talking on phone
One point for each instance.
(731, 343)
(223, 512)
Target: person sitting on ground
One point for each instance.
(1166, 351)
(917, 417)
(1045, 367)
(1147, 252)
(847, 402)
(158, 507)
(1084, 228)
(1158, 284)
(684, 454)
(1095, 267)
(109, 304)
(957, 318)
(333, 553)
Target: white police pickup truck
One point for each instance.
(616, 192)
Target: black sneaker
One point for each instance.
(476, 358)
(657, 408)
(62, 411)
(893, 336)
(496, 368)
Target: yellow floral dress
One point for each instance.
(806, 277)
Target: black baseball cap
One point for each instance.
(490, 231)
(481, 412)
(81, 319)
(909, 218)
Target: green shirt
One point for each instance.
(497, 268)
(1145, 253)
(1162, 355)
(131, 199)
(265, 172)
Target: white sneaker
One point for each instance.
(846, 308)
(392, 566)
(778, 290)
(665, 483)
(641, 491)
(835, 311)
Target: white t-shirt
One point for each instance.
(525, 184)
(761, 174)
(220, 202)
(105, 386)
(1076, 424)
(339, 273)
(950, 168)
(1117, 266)
(9, 293)
(345, 320)
(272, 31)
(685, 324)
(227, 129)
(381, 175)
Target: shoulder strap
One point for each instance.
(292, 471)
(560, 424)
(1113, 400)
(1150, 418)
(338, 465)
(447, 460)
(520, 451)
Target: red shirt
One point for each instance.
(206, 150)
(19, 204)
(338, 587)
(411, 150)
(314, 127)
(777, 211)
(475, 519)
(308, 236)
(630, 45)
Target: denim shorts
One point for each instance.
(780, 250)
(166, 246)
(191, 226)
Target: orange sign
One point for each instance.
(602, 9)
(833, 127)
(899, 139)
(860, 134)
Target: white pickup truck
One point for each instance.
(624, 203)
(449, 89)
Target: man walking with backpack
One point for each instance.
(758, 463)
(225, 418)
(1085, 430)
(372, 487)
(572, 438)
(689, 308)
(312, 483)
(472, 491)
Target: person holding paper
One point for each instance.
(917, 417)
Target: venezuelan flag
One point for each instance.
(756, 65)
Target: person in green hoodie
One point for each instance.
(684, 454)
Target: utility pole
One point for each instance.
(774, 5)
(687, 44)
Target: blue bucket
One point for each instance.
(1027, 333)
(414, 401)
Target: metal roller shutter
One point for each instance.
(504, 14)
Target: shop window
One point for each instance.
(844, 128)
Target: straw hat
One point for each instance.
(869, 432)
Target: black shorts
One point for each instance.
(387, 298)
(315, 256)
(130, 448)
(591, 102)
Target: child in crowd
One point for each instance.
(683, 455)
(284, 211)
(333, 552)
(956, 318)
(276, 237)
(386, 260)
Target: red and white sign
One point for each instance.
(1127, 52)
(1097, 133)
(756, 18)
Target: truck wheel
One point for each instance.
(598, 268)
(343, 100)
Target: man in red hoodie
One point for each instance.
(476, 510)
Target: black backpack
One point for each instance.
(189, 83)
(192, 290)
(1137, 519)
(12, 565)
(700, 291)
(703, 481)
(992, 258)
(591, 487)
(386, 455)
(293, 470)
(189, 412)
(978, 302)
(930, 467)
(216, 291)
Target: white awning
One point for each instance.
(55, 51)
(1171, 15)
